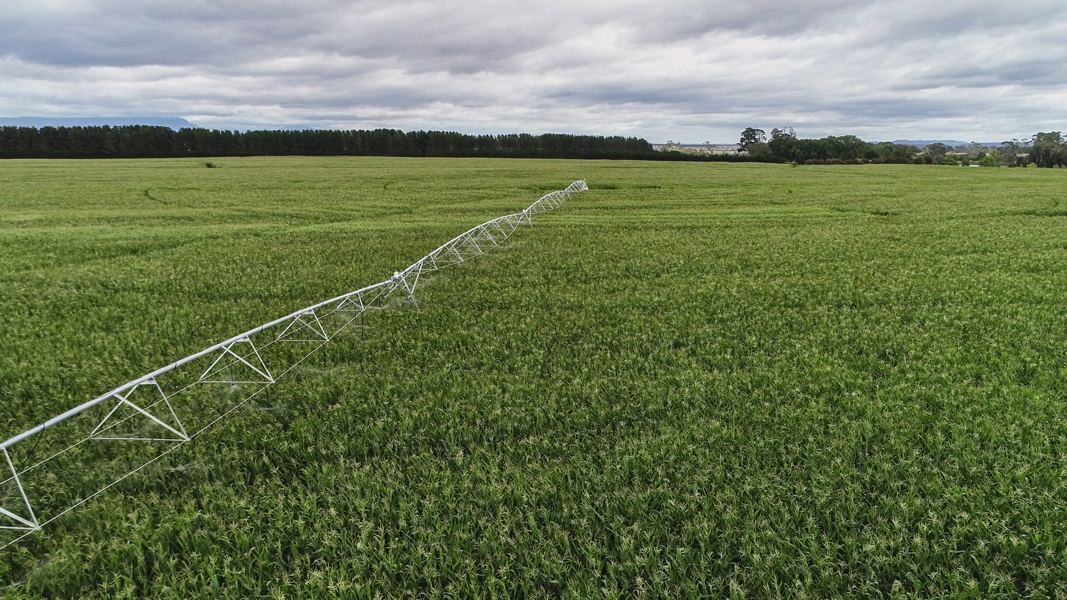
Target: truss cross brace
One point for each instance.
(308, 321)
(400, 280)
(485, 232)
(261, 370)
(350, 303)
(24, 524)
(125, 400)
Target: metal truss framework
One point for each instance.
(238, 361)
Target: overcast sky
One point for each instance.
(682, 70)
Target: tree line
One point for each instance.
(784, 145)
(1046, 149)
(142, 141)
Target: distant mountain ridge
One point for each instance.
(171, 122)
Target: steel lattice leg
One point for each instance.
(29, 524)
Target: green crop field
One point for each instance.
(694, 380)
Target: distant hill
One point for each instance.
(172, 122)
(952, 143)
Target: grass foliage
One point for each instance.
(692, 381)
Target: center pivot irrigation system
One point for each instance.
(175, 403)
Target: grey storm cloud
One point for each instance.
(686, 69)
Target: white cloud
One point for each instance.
(690, 70)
